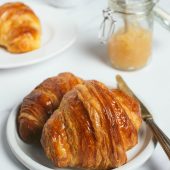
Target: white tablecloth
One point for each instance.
(89, 60)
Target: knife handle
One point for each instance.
(162, 17)
(160, 136)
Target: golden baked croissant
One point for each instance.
(40, 104)
(20, 29)
(92, 128)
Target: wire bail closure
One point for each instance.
(107, 26)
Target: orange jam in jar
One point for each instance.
(127, 28)
(130, 48)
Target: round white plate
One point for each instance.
(58, 33)
(67, 3)
(34, 158)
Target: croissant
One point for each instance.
(92, 128)
(20, 29)
(37, 107)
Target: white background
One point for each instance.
(88, 59)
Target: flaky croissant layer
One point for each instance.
(20, 28)
(92, 128)
(37, 106)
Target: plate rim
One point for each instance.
(17, 151)
(31, 164)
(5, 67)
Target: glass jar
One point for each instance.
(129, 30)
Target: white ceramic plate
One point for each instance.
(67, 3)
(33, 157)
(58, 33)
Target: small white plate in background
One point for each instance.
(67, 3)
(58, 33)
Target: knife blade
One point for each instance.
(124, 87)
(147, 117)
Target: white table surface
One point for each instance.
(88, 59)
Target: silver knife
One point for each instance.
(147, 117)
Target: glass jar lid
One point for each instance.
(134, 7)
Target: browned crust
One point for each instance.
(20, 28)
(40, 104)
(91, 129)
